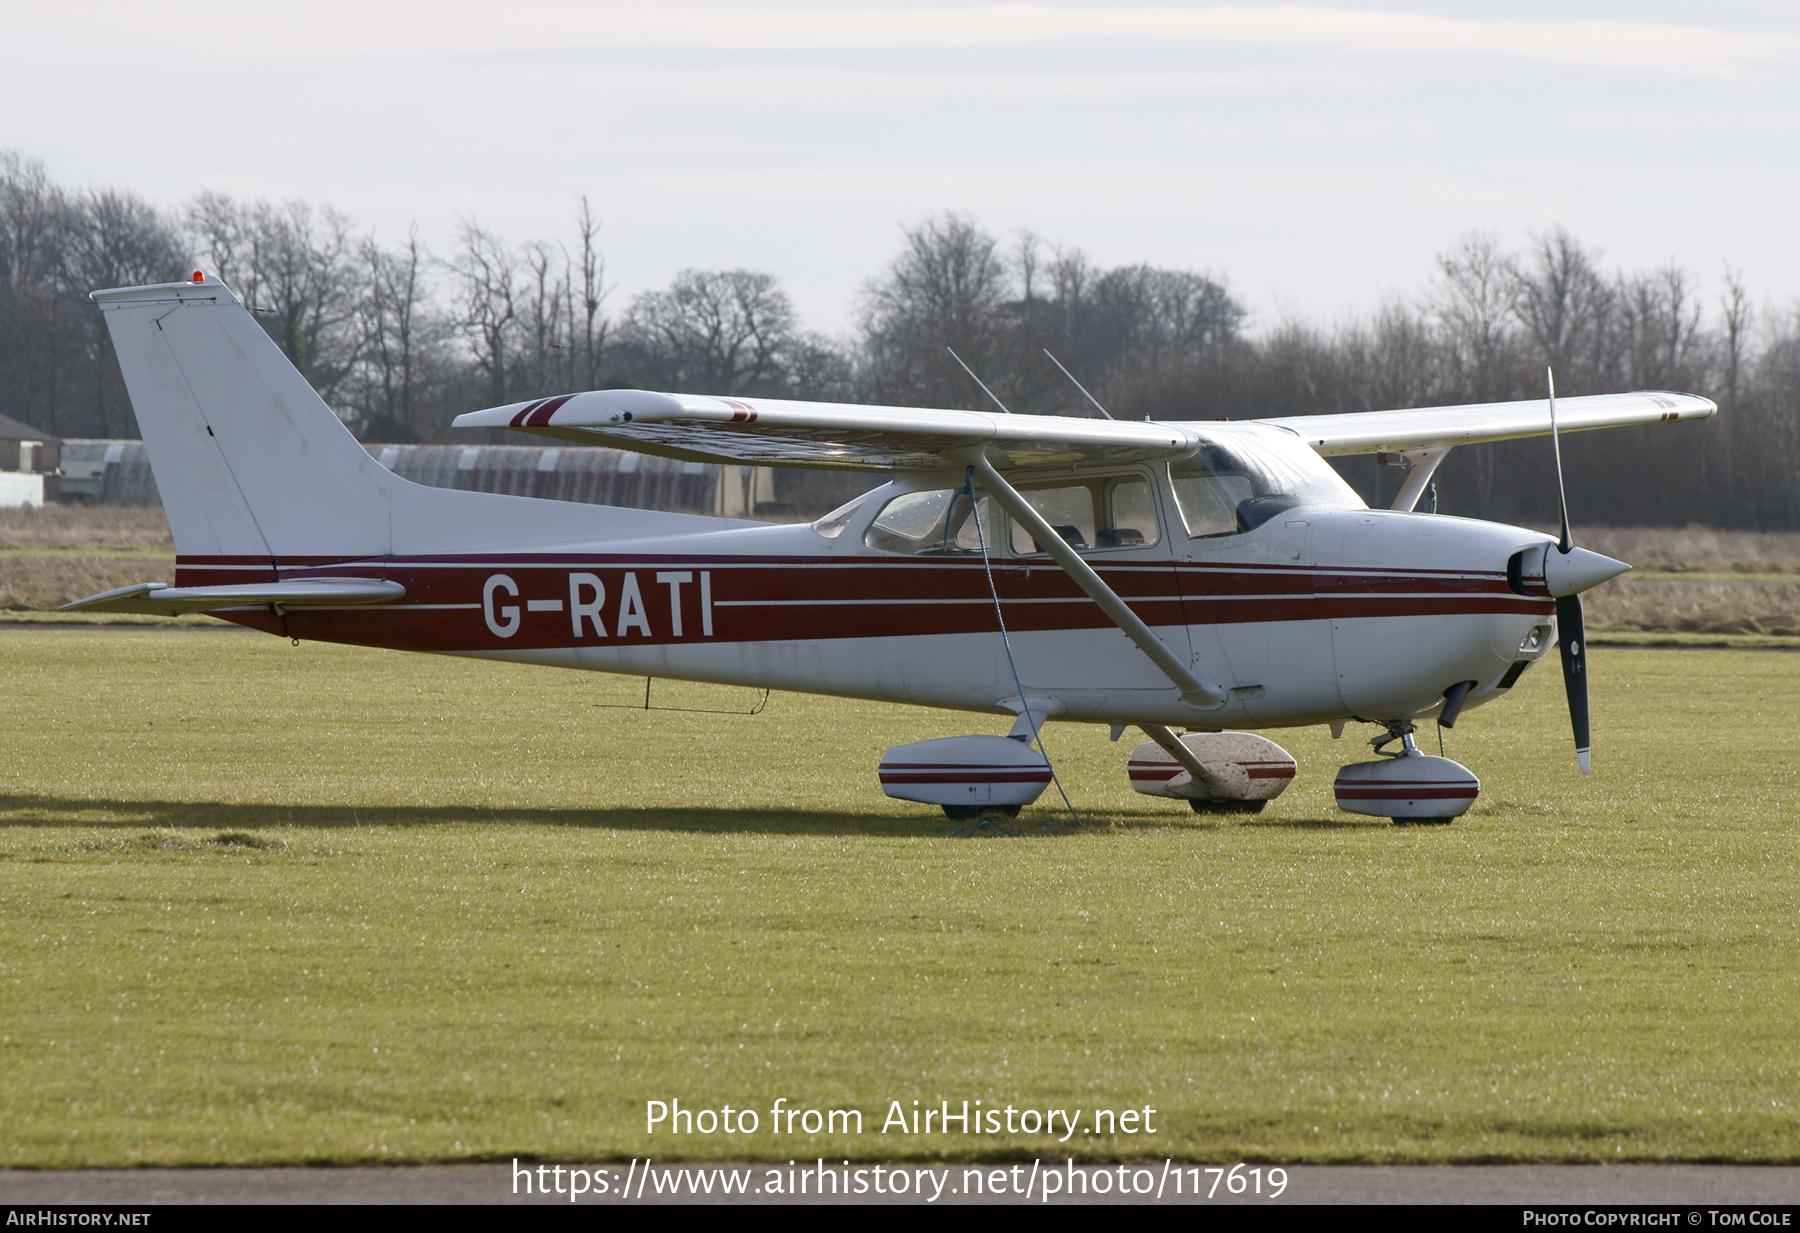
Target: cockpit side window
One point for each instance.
(1131, 515)
(1105, 512)
(1070, 510)
(935, 522)
(1100, 513)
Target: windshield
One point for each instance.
(1232, 486)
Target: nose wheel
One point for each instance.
(1406, 785)
(1396, 732)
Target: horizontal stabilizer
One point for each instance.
(159, 599)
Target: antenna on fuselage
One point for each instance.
(979, 381)
(1078, 385)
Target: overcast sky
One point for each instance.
(1316, 156)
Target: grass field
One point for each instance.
(261, 903)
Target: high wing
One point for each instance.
(1369, 432)
(774, 432)
(843, 436)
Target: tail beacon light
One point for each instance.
(966, 774)
(1243, 771)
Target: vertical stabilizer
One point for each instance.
(249, 460)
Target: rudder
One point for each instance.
(249, 459)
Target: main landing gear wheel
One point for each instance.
(1226, 806)
(1421, 821)
(963, 813)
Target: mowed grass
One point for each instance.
(271, 904)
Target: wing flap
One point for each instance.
(160, 599)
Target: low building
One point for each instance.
(30, 464)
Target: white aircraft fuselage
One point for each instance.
(1319, 614)
(1212, 576)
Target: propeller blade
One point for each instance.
(1571, 638)
(1562, 493)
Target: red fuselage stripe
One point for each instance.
(809, 599)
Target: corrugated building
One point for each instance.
(118, 473)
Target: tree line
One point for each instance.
(399, 339)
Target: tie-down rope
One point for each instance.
(968, 490)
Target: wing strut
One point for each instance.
(1421, 465)
(1165, 736)
(1203, 695)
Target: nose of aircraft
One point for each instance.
(1577, 570)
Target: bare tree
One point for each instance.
(546, 319)
(1564, 303)
(1474, 297)
(1397, 359)
(946, 288)
(56, 364)
(1660, 319)
(1735, 305)
(593, 292)
(713, 331)
(31, 208)
(399, 336)
(297, 268)
(486, 272)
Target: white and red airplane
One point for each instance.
(1206, 576)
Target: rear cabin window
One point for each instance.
(832, 525)
(1100, 513)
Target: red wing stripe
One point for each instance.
(529, 408)
(541, 415)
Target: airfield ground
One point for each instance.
(267, 904)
